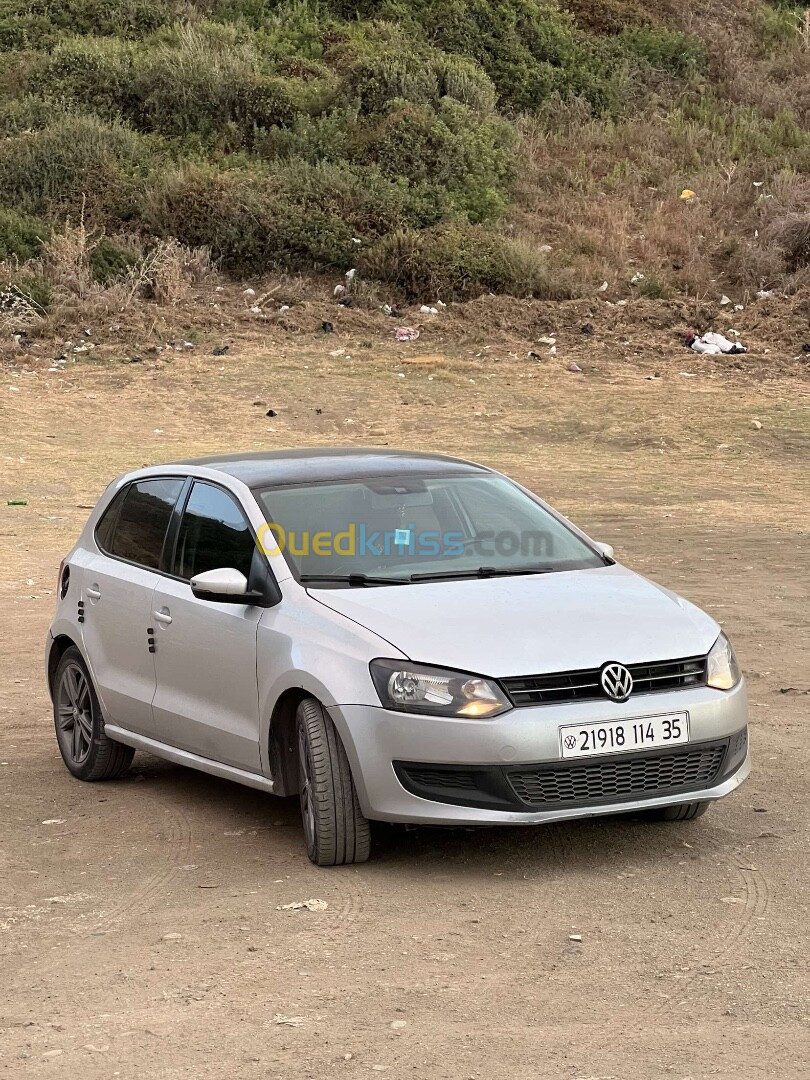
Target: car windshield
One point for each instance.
(405, 529)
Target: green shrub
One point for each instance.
(457, 261)
(668, 50)
(110, 260)
(52, 169)
(20, 236)
(34, 288)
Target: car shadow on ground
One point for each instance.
(591, 843)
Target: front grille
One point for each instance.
(616, 780)
(585, 683)
(440, 778)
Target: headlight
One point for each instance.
(722, 670)
(418, 688)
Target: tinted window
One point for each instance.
(213, 534)
(104, 529)
(141, 526)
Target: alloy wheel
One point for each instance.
(75, 713)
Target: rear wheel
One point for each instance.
(335, 830)
(681, 812)
(85, 748)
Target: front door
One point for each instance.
(206, 700)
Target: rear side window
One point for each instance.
(138, 531)
(213, 534)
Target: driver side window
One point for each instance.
(213, 534)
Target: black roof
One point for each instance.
(321, 464)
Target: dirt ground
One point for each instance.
(140, 922)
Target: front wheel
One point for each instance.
(83, 743)
(680, 812)
(335, 830)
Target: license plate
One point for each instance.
(622, 736)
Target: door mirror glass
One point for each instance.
(225, 585)
(605, 549)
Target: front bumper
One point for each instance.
(511, 757)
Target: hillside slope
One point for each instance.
(442, 146)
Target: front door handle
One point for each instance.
(162, 617)
(94, 593)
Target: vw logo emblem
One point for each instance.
(617, 682)
(570, 742)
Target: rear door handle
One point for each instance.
(162, 617)
(94, 593)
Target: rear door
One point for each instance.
(117, 587)
(206, 700)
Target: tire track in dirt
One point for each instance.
(177, 847)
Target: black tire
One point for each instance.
(335, 830)
(682, 812)
(83, 744)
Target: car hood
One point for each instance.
(530, 625)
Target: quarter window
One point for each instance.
(140, 530)
(213, 534)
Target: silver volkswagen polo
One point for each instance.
(388, 635)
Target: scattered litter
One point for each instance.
(284, 307)
(440, 304)
(731, 900)
(157, 431)
(398, 1025)
(298, 905)
(426, 310)
(172, 937)
(18, 502)
(351, 275)
(688, 374)
(586, 329)
(713, 344)
(739, 307)
(687, 194)
(788, 690)
(575, 937)
(220, 350)
(724, 300)
(532, 355)
(806, 347)
(756, 425)
(346, 301)
(637, 278)
(574, 368)
(432, 359)
(271, 412)
(733, 333)
(55, 821)
(603, 287)
(656, 375)
(760, 810)
(758, 183)
(337, 352)
(356, 240)
(763, 294)
(255, 310)
(545, 249)
(339, 290)
(288, 1021)
(327, 327)
(406, 333)
(248, 292)
(386, 309)
(547, 341)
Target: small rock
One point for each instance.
(731, 900)
(425, 309)
(271, 412)
(574, 368)
(756, 425)
(724, 300)
(545, 249)
(531, 355)
(52, 1053)
(284, 307)
(586, 329)
(96, 1049)
(637, 278)
(397, 1025)
(547, 341)
(172, 937)
(575, 937)
(375, 429)
(220, 350)
(603, 287)
(248, 292)
(806, 347)
(327, 327)
(339, 290)
(351, 275)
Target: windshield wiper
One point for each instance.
(354, 579)
(483, 572)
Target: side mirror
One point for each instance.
(226, 585)
(605, 549)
